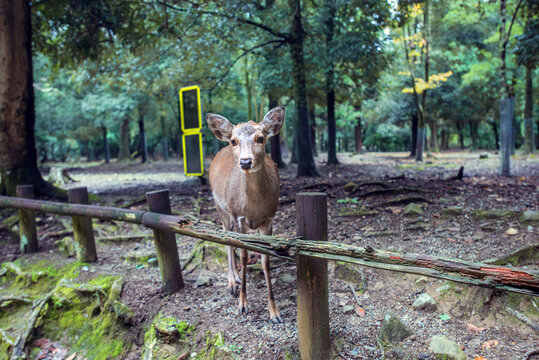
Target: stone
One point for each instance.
(413, 209)
(443, 288)
(393, 330)
(350, 273)
(491, 214)
(444, 348)
(425, 302)
(530, 217)
(422, 281)
(287, 278)
(347, 309)
(203, 281)
(483, 156)
(452, 211)
(350, 186)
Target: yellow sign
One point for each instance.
(191, 123)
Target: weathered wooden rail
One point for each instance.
(310, 255)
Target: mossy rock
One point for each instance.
(413, 210)
(66, 245)
(350, 273)
(393, 330)
(141, 258)
(491, 214)
(452, 211)
(444, 348)
(530, 217)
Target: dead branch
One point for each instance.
(392, 190)
(404, 200)
(123, 238)
(526, 320)
(525, 253)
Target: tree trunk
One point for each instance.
(275, 141)
(420, 143)
(506, 126)
(358, 134)
(329, 6)
(312, 117)
(106, 146)
(18, 155)
(461, 135)
(306, 165)
(415, 121)
(445, 139)
(294, 157)
(142, 134)
(496, 136)
(164, 139)
(423, 109)
(473, 134)
(249, 91)
(529, 138)
(125, 151)
(434, 136)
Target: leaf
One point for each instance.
(480, 358)
(474, 329)
(490, 344)
(360, 311)
(445, 317)
(72, 356)
(139, 266)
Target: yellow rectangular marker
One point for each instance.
(191, 124)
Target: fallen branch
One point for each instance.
(21, 299)
(392, 190)
(530, 252)
(526, 320)
(123, 238)
(367, 183)
(531, 353)
(404, 200)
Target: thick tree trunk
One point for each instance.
(506, 133)
(275, 142)
(434, 136)
(294, 157)
(18, 156)
(415, 121)
(445, 139)
(420, 143)
(306, 165)
(529, 136)
(106, 146)
(142, 134)
(496, 136)
(125, 141)
(329, 6)
(249, 91)
(423, 109)
(358, 134)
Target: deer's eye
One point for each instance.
(260, 140)
(233, 142)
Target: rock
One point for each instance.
(347, 309)
(59, 176)
(452, 211)
(483, 156)
(443, 288)
(491, 214)
(350, 273)
(287, 278)
(444, 348)
(422, 281)
(203, 281)
(511, 231)
(413, 209)
(396, 352)
(425, 302)
(530, 217)
(393, 330)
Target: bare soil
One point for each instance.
(353, 336)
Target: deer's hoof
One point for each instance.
(243, 310)
(276, 320)
(234, 290)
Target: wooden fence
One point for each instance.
(310, 255)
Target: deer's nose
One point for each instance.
(246, 163)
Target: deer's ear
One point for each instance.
(220, 126)
(273, 121)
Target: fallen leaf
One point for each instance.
(360, 311)
(511, 231)
(395, 209)
(72, 356)
(436, 215)
(445, 317)
(490, 344)
(42, 342)
(474, 329)
(480, 358)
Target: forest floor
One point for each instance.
(476, 318)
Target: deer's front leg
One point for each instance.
(275, 316)
(233, 275)
(242, 306)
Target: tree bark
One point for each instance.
(529, 136)
(415, 121)
(423, 109)
(358, 132)
(506, 125)
(329, 6)
(164, 140)
(445, 139)
(106, 146)
(18, 155)
(496, 136)
(125, 141)
(473, 133)
(142, 134)
(249, 91)
(306, 165)
(312, 118)
(275, 141)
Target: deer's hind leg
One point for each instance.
(233, 275)
(275, 316)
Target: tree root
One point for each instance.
(404, 200)
(367, 183)
(392, 190)
(531, 353)
(124, 238)
(21, 299)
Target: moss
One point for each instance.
(492, 214)
(357, 212)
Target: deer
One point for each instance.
(245, 186)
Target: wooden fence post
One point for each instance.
(82, 227)
(27, 222)
(312, 279)
(165, 245)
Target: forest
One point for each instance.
(417, 118)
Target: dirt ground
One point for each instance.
(463, 236)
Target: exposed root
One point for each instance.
(404, 200)
(516, 258)
(392, 190)
(523, 318)
(20, 299)
(531, 353)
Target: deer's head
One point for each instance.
(248, 139)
